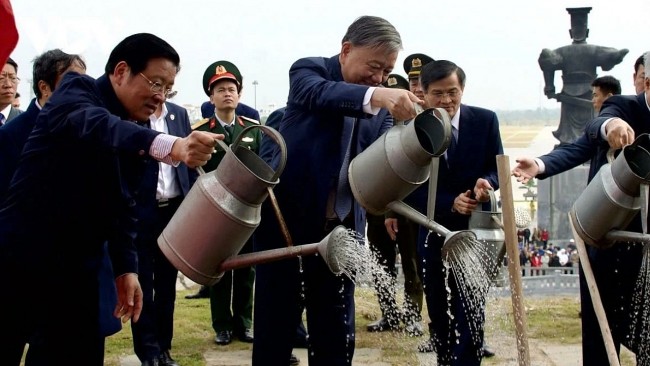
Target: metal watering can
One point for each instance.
(488, 227)
(399, 162)
(396, 164)
(615, 195)
(230, 199)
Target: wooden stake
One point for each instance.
(595, 297)
(512, 249)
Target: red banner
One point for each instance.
(8, 31)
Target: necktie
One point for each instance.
(343, 202)
(228, 129)
(2, 119)
(452, 145)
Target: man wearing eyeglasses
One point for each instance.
(8, 86)
(466, 173)
(76, 188)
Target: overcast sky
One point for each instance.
(496, 42)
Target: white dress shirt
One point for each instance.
(167, 184)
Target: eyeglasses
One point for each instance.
(13, 79)
(157, 88)
(452, 94)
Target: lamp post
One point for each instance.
(255, 91)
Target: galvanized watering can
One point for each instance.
(397, 163)
(615, 195)
(229, 199)
(488, 227)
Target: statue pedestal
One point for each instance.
(555, 197)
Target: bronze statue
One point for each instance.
(578, 62)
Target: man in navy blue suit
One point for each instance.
(75, 189)
(466, 173)
(160, 193)
(332, 113)
(48, 71)
(615, 269)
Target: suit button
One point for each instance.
(131, 203)
(141, 152)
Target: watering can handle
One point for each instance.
(611, 155)
(493, 201)
(275, 136)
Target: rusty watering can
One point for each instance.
(614, 196)
(221, 211)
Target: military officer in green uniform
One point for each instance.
(222, 82)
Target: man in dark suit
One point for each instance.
(160, 193)
(466, 173)
(8, 85)
(329, 98)
(48, 70)
(616, 268)
(74, 190)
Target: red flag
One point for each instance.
(8, 31)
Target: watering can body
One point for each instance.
(221, 212)
(398, 162)
(612, 198)
(487, 227)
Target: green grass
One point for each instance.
(553, 320)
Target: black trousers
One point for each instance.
(153, 332)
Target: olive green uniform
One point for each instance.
(236, 284)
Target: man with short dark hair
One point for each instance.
(639, 75)
(8, 87)
(603, 88)
(466, 174)
(76, 189)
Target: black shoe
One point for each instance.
(223, 337)
(204, 293)
(487, 351)
(150, 362)
(165, 359)
(294, 360)
(246, 335)
(426, 346)
(414, 329)
(381, 325)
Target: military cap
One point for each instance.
(413, 64)
(218, 71)
(396, 81)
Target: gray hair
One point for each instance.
(646, 64)
(373, 32)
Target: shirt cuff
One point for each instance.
(367, 107)
(541, 167)
(603, 127)
(161, 147)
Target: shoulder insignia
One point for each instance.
(250, 120)
(200, 123)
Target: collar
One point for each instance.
(110, 98)
(222, 123)
(646, 100)
(6, 112)
(455, 121)
(163, 114)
